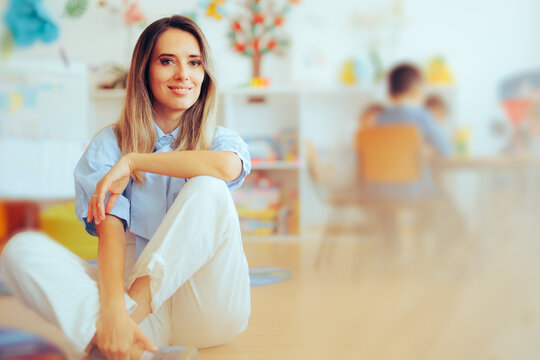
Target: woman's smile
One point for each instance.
(180, 90)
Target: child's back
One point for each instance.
(405, 91)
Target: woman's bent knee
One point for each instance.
(209, 191)
(16, 248)
(208, 185)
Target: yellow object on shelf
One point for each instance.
(438, 72)
(61, 224)
(347, 75)
(462, 141)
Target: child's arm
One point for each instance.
(436, 136)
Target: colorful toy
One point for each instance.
(16, 344)
(347, 75)
(516, 94)
(461, 141)
(438, 72)
(258, 202)
(214, 8)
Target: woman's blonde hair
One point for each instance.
(135, 131)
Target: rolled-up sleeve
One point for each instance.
(228, 140)
(97, 160)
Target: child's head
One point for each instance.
(437, 107)
(370, 115)
(405, 83)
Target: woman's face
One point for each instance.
(176, 73)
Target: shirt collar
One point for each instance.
(160, 133)
(163, 139)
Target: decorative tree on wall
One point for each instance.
(256, 30)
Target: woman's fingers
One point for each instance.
(95, 210)
(111, 202)
(89, 214)
(144, 340)
(101, 189)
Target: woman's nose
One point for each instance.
(181, 72)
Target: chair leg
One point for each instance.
(326, 240)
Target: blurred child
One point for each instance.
(405, 91)
(405, 85)
(437, 107)
(370, 115)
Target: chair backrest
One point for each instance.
(313, 164)
(390, 154)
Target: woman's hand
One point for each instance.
(114, 182)
(116, 332)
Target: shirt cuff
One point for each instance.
(120, 210)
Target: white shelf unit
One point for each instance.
(326, 116)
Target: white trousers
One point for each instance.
(199, 277)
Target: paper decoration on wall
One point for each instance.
(28, 21)
(75, 8)
(380, 30)
(134, 14)
(256, 30)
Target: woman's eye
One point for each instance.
(196, 63)
(166, 61)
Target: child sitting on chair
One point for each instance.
(405, 92)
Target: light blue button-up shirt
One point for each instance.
(142, 207)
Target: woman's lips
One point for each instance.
(179, 90)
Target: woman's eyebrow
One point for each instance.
(172, 55)
(164, 54)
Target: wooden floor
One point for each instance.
(468, 299)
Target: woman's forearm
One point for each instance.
(111, 257)
(225, 165)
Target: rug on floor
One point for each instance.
(258, 276)
(18, 344)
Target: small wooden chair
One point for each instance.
(390, 154)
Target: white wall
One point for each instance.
(482, 40)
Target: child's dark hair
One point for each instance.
(402, 78)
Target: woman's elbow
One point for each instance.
(231, 167)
